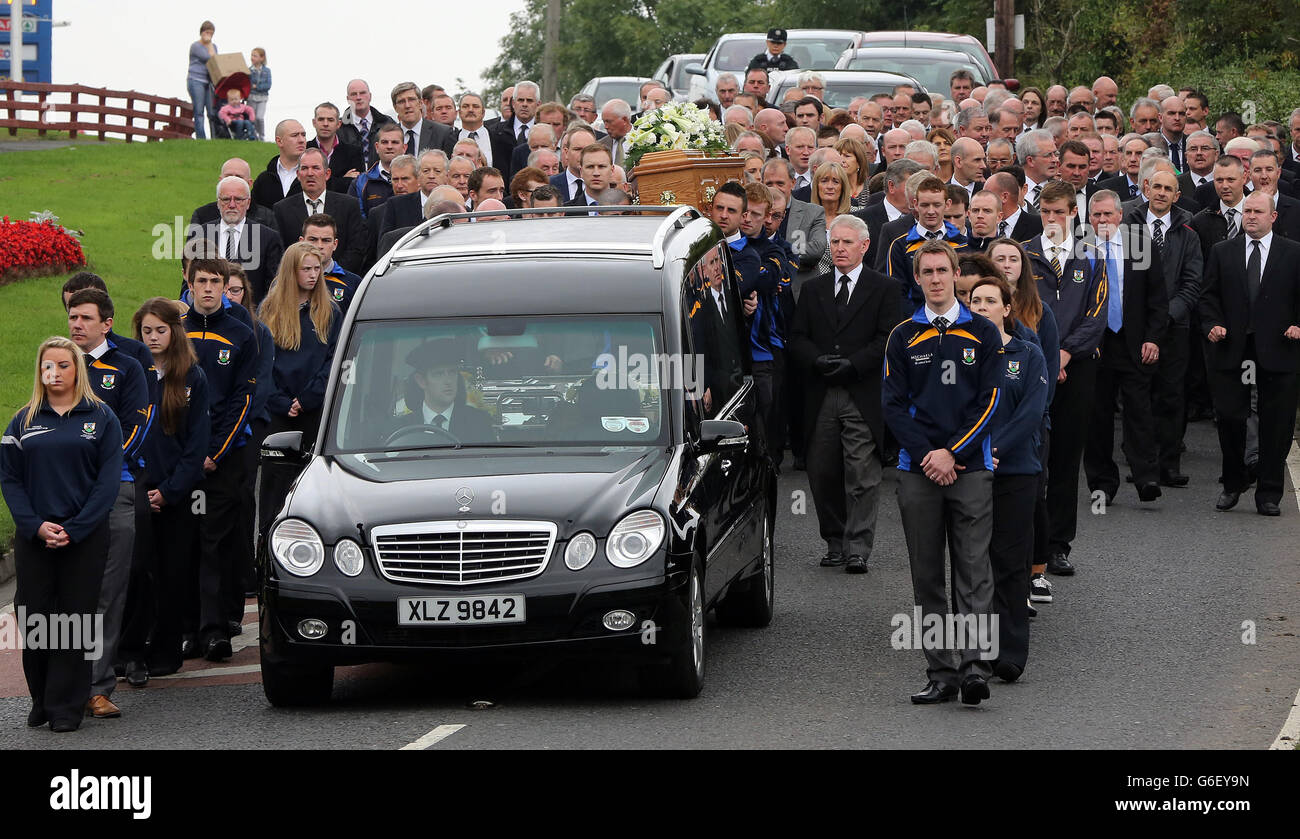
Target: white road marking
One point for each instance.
(247, 638)
(1289, 736)
(235, 670)
(442, 732)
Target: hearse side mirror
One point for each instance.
(284, 447)
(721, 435)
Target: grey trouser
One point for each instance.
(961, 515)
(112, 591)
(844, 474)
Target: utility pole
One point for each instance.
(16, 40)
(549, 73)
(1004, 26)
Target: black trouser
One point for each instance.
(1071, 413)
(242, 578)
(175, 556)
(59, 581)
(1277, 409)
(1168, 402)
(139, 615)
(223, 491)
(1118, 372)
(1042, 526)
(1011, 552)
(1197, 378)
(769, 379)
(793, 397)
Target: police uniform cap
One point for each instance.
(776, 35)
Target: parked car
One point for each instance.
(843, 86)
(812, 49)
(968, 44)
(605, 88)
(673, 73)
(932, 68)
(586, 497)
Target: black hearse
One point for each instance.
(535, 437)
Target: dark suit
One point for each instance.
(843, 417)
(1287, 222)
(433, 135)
(561, 183)
(1145, 315)
(719, 341)
(1187, 187)
(504, 140)
(1119, 185)
(468, 424)
(401, 211)
(260, 250)
(1183, 265)
(1255, 324)
(351, 251)
(343, 159)
(888, 233)
(876, 218)
(267, 190)
(1028, 226)
(350, 134)
(387, 240)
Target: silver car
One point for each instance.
(812, 49)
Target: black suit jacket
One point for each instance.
(468, 424)
(875, 217)
(342, 160)
(1027, 227)
(502, 137)
(1287, 222)
(1187, 187)
(1181, 259)
(860, 337)
(1118, 185)
(561, 183)
(211, 214)
(350, 134)
(1146, 302)
(260, 251)
(434, 135)
(719, 342)
(387, 240)
(291, 212)
(1226, 302)
(888, 233)
(267, 190)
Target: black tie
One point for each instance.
(522, 136)
(577, 187)
(940, 323)
(1231, 215)
(315, 206)
(440, 420)
(410, 141)
(1033, 202)
(90, 359)
(473, 135)
(1002, 229)
(1132, 190)
(1253, 270)
(1158, 234)
(931, 235)
(1175, 156)
(842, 296)
(232, 244)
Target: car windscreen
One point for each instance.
(530, 381)
(808, 53)
(838, 93)
(629, 92)
(934, 75)
(976, 56)
(681, 79)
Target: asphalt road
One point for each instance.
(1142, 649)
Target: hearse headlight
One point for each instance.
(348, 557)
(297, 547)
(635, 538)
(580, 551)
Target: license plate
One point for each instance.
(448, 611)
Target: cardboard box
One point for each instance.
(227, 71)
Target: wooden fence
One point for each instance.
(60, 107)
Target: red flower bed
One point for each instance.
(29, 248)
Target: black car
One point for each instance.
(535, 436)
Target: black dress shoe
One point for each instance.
(36, 717)
(64, 726)
(1006, 671)
(216, 649)
(234, 628)
(1059, 564)
(1174, 479)
(934, 693)
(1268, 508)
(119, 670)
(137, 675)
(1227, 500)
(856, 565)
(190, 647)
(974, 689)
(832, 560)
(1148, 492)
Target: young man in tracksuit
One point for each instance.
(793, 394)
(1071, 277)
(940, 393)
(322, 231)
(117, 379)
(228, 354)
(770, 318)
(931, 203)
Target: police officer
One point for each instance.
(60, 471)
(775, 57)
(227, 352)
(174, 453)
(940, 392)
(117, 379)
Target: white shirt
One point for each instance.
(1265, 245)
(517, 126)
(1164, 223)
(717, 299)
(970, 187)
(924, 234)
(1223, 211)
(1062, 251)
(1201, 180)
(424, 201)
(481, 137)
(734, 237)
(1081, 205)
(951, 315)
(853, 279)
(411, 134)
(803, 180)
(429, 414)
(320, 200)
(98, 352)
(1011, 221)
(573, 183)
(287, 176)
(224, 231)
(892, 213)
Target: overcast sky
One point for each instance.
(313, 48)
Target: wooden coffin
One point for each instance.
(684, 177)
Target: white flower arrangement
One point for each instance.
(678, 125)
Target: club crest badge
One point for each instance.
(88, 429)
(1078, 275)
(109, 381)
(187, 396)
(968, 355)
(1013, 368)
(223, 356)
(338, 295)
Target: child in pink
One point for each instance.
(238, 117)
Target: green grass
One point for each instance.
(116, 193)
